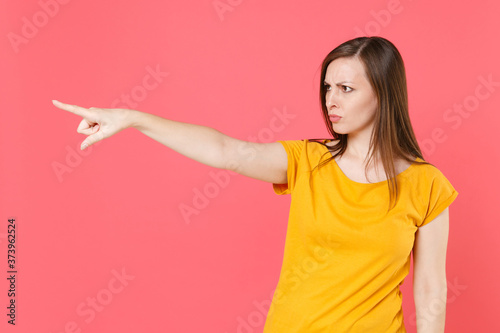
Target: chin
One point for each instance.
(339, 131)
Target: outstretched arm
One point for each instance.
(263, 161)
(200, 143)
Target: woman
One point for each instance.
(354, 218)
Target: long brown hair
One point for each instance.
(392, 136)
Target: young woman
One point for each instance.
(355, 217)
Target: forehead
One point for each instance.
(346, 69)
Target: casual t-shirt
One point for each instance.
(345, 256)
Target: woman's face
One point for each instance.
(350, 96)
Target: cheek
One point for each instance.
(359, 105)
(368, 106)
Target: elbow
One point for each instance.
(430, 293)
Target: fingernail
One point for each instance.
(84, 145)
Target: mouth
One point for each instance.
(334, 117)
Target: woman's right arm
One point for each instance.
(264, 161)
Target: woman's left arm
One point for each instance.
(429, 274)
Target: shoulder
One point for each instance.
(428, 169)
(429, 179)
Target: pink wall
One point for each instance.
(85, 217)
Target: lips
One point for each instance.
(334, 117)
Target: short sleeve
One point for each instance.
(440, 195)
(293, 150)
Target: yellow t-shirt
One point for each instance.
(345, 256)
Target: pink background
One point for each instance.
(117, 207)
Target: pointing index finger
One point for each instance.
(78, 110)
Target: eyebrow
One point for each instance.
(339, 83)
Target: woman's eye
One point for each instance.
(344, 88)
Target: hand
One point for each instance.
(98, 123)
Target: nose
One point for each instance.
(330, 100)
